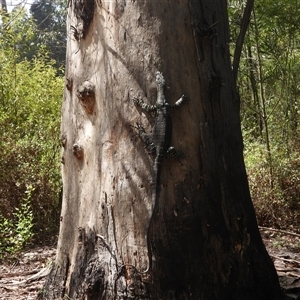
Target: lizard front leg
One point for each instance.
(179, 102)
(141, 103)
(145, 138)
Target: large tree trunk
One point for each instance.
(203, 237)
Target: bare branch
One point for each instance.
(241, 37)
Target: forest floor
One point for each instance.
(23, 277)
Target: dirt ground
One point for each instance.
(22, 277)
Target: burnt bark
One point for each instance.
(204, 237)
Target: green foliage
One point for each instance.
(24, 219)
(30, 97)
(18, 35)
(17, 231)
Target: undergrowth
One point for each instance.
(274, 186)
(16, 231)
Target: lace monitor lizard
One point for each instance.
(159, 145)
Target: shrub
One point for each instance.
(30, 101)
(16, 232)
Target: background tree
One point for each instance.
(203, 238)
(268, 85)
(51, 27)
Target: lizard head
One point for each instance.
(160, 79)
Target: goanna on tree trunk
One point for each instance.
(202, 241)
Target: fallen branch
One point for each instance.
(285, 259)
(293, 274)
(278, 230)
(21, 273)
(8, 288)
(42, 273)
